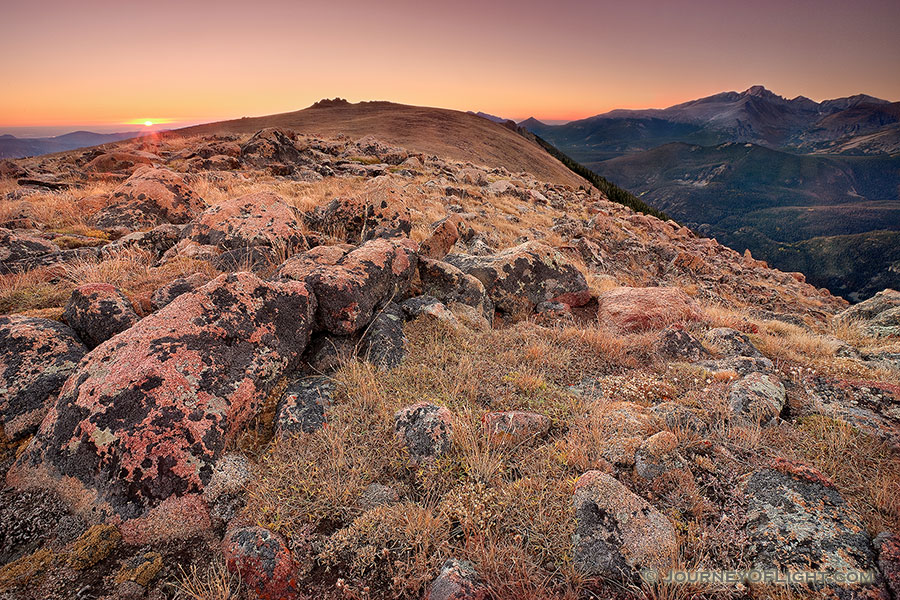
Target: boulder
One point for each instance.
(111, 162)
(657, 455)
(349, 291)
(156, 241)
(164, 295)
(150, 197)
(36, 358)
(270, 145)
(879, 315)
(431, 308)
(425, 431)
(519, 278)
(457, 580)
(618, 533)
(450, 285)
(302, 407)
(379, 211)
(16, 248)
(730, 342)
(97, 312)
(259, 219)
(443, 236)
(299, 266)
(514, 427)
(675, 343)
(384, 344)
(137, 430)
(263, 562)
(797, 521)
(742, 365)
(641, 309)
(758, 398)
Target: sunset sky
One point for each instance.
(110, 63)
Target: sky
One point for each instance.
(112, 65)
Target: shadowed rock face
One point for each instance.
(520, 278)
(98, 311)
(36, 357)
(141, 424)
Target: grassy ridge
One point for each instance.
(612, 191)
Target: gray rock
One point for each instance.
(384, 342)
(302, 408)
(425, 431)
(757, 397)
(730, 342)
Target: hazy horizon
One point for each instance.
(206, 61)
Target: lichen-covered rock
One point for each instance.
(263, 561)
(270, 145)
(617, 532)
(260, 219)
(424, 430)
(299, 266)
(680, 418)
(16, 249)
(514, 427)
(730, 342)
(384, 343)
(349, 291)
(94, 545)
(137, 430)
(869, 406)
(164, 295)
(111, 162)
(451, 286)
(302, 408)
(879, 315)
(36, 358)
(443, 236)
(640, 309)
(157, 241)
(519, 278)
(887, 545)
(677, 344)
(757, 397)
(742, 365)
(97, 312)
(457, 580)
(150, 197)
(657, 455)
(140, 568)
(797, 521)
(378, 212)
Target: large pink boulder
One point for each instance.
(650, 308)
(138, 428)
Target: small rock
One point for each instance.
(443, 236)
(677, 344)
(430, 307)
(656, 455)
(97, 312)
(302, 408)
(425, 430)
(384, 343)
(376, 495)
(730, 342)
(457, 580)
(757, 397)
(263, 561)
(514, 427)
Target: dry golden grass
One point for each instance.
(209, 582)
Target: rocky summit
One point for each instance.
(255, 363)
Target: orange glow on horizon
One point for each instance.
(212, 61)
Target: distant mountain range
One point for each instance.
(784, 178)
(14, 147)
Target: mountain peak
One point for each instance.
(759, 91)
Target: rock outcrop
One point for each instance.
(137, 430)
